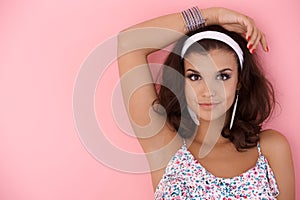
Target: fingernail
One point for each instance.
(248, 38)
(250, 45)
(252, 51)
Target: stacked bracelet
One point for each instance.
(193, 19)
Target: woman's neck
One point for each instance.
(209, 134)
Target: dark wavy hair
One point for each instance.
(256, 94)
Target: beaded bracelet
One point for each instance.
(193, 19)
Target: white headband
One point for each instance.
(216, 36)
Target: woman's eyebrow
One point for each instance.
(225, 69)
(222, 70)
(192, 70)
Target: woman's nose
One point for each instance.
(208, 93)
(209, 90)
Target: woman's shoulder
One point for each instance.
(276, 149)
(273, 144)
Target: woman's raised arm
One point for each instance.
(138, 41)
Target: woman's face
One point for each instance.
(210, 83)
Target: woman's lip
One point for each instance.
(208, 105)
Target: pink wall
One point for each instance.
(42, 47)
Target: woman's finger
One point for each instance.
(253, 40)
(256, 42)
(264, 42)
(245, 26)
(249, 26)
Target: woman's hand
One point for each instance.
(239, 23)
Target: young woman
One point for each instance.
(201, 130)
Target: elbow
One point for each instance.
(122, 43)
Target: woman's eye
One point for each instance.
(194, 77)
(223, 76)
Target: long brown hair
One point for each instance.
(256, 94)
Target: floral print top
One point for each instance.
(185, 178)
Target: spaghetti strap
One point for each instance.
(258, 149)
(184, 142)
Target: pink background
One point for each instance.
(42, 45)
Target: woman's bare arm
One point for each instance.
(276, 149)
(137, 42)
